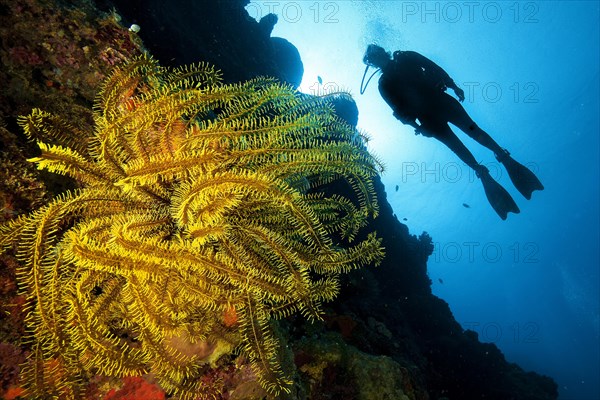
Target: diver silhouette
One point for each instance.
(415, 88)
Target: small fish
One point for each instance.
(465, 205)
(404, 219)
(397, 187)
(440, 280)
(320, 80)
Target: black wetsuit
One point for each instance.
(415, 87)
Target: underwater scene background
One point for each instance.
(530, 70)
(427, 294)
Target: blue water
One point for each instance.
(530, 71)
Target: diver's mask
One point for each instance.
(373, 54)
(370, 58)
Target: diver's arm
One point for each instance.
(431, 68)
(436, 71)
(408, 120)
(405, 119)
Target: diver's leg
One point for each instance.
(523, 178)
(456, 114)
(444, 134)
(498, 197)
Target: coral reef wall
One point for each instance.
(386, 322)
(219, 32)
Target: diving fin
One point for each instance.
(524, 180)
(500, 200)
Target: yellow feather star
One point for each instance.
(197, 222)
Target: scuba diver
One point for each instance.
(415, 88)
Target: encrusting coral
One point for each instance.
(198, 220)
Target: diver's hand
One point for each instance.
(417, 127)
(459, 93)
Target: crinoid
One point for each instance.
(199, 218)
